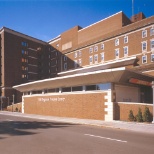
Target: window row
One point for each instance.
(24, 44)
(77, 54)
(104, 86)
(24, 60)
(24, 76)
(94, 59)
(144, 58)
(144, 32)
(24, 52)
(24, 68)
(125, 40)
(101, 86)
(144, 45)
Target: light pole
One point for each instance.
(153, 100)
(8, 100)
(12, 102)
(1, 103)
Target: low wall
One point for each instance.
(15, 108)
(84, 106)
(122, 109)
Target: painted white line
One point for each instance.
(107, 138)
(9, 120)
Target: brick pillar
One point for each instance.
(153, 100)
(22, 105)
(109, 107)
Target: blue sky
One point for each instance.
(46, 19)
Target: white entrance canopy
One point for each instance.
(116, 75)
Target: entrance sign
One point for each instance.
(141, 82)
(54, 99)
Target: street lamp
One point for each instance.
(8, 100)
(1, 102)
(12, 102)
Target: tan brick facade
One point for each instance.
(84, 106)
(121, 110)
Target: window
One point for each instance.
(65, 58)
(24, 44)
(102, 57)
(91, 59)
(152, 45)
(96, 58)
(78, 88)
(65, 66)
(22, 60)
(75, 54)
(80, 53)
(144, 59)
(66, 89)
(80, 62)
(152, 31)
(102, 46)
(75, 63)
(90, 50)
(126, 39)
(52, 90)
(103, 86)
(23, 51)
(26, 52)
(116, 53)
(144, 46)
(116, 42)
(152, 57)
(24, 76)
(125, 51)
(144, 33)
(90, 87)
(26, 68)
(96, 48)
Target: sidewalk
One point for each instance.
(132, 126)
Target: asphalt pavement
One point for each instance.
(147, 128)
(35, 134)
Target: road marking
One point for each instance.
(9, 120)
(112, 139)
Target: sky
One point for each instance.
(46, 19)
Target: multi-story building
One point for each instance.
(107, 62)
(23, 59)
(110, 39)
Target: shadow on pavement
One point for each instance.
(15, 128)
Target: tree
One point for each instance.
(147, 115)
(131, 116)
(139, 116)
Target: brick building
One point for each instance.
(108, 62)
(23, 59)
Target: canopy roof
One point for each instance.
(117, 75)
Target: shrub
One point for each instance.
(131, 116)
(139, 116)
(16, 109)
(147, 115)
